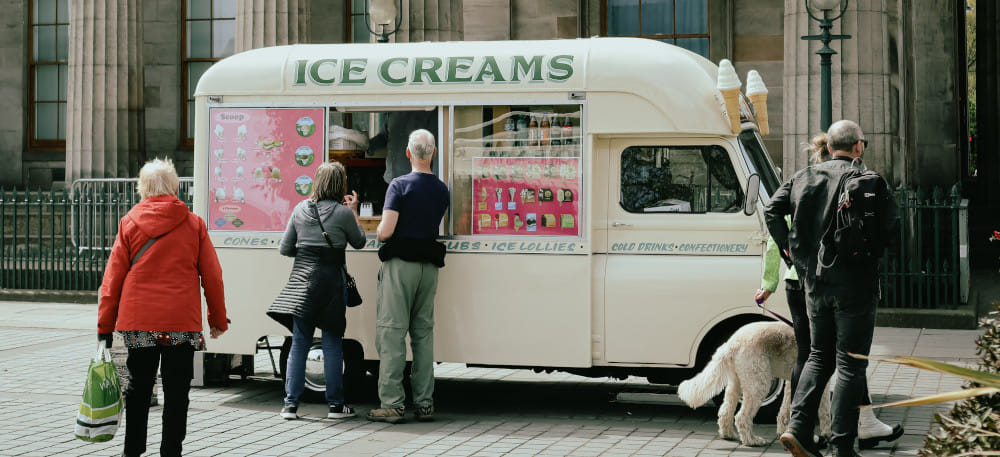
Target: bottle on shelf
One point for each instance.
(556, 131)
(544, 135)
(567, 131)
(533, 135)
(521, 130)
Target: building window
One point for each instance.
(49, 42)
(357, 29)
(209, 34)
(680, 22)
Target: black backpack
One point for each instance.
(858, 232)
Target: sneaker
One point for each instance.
(797, 447)
(871, 442)
(424, 413)
(390, 415)
(289, 412)
(340, 412)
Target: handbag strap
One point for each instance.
(142, 250)
(315, 212)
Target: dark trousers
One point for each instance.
(796, 296)
(842, 321)
(176, 372)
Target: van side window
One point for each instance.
(685, 179)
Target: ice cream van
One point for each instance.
(606, 193)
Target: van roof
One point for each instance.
(677, 83)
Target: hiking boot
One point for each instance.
(390, 415)
(798, 447)
(424, 413)
(289, 412)
(340, 412)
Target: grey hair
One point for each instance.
(330, 183)
(421, 144)
(843, 135)
(158, 177)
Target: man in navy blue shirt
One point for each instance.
(411, 256)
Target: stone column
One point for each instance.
(431, 20)
(860, 84)
(262, 23)
(104, 99)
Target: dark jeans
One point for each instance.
(176, 372)
(842, 321)
(800, 323)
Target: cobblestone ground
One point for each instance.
(481, 412)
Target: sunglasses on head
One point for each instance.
(864, 142)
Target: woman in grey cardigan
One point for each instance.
(319, 230)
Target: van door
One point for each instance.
(681, 252)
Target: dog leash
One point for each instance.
(760, 304)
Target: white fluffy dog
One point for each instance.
(745, 364)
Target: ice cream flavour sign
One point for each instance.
(261, 163)
(529, 196)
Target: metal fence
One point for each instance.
(60, 240)
(925, 268)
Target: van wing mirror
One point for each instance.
(753, 193)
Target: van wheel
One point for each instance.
(353, 369)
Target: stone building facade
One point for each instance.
(129, 67)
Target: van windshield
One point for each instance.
(759, 161)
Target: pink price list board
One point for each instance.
(261, 163)
(528, 196)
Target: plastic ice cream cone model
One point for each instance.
(757, 92)
(729, 86)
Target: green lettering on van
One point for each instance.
(419, 69)
(522, 66)
(300, 72)
(351, 67)
(491, 69)
(456, 64)
(562, 64)
(314, 71)
(386, 77)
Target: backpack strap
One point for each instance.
(826, 243)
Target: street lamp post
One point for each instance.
(382, 13)
(826, 52)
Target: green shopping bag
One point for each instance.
(101, 406)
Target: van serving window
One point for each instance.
(685, 179)
(517, 170)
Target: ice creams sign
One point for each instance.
(399, 71)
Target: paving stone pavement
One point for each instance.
(44, 350)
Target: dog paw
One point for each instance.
(755, 441)
(729, 434)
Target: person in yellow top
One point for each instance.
(871, 431)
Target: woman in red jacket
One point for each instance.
(161, 259)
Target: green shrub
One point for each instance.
(972, 427)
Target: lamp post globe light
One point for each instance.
(826, 52)
(381, 14)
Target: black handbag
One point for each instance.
(353, 296)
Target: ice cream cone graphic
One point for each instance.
(729, 86)
(757, 92)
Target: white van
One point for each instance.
(604, 219)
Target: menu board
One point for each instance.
(529, 196)
(261, 163)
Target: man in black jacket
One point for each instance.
(841, 302)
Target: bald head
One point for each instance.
(843, 136)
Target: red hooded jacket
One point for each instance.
(161, 292)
